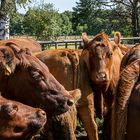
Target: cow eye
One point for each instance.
(35, 74)
(10, 109)
(52, 92)
(13, 110)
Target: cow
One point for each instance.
(19, 121)
(103, 58)
(29, 81)
(70, 70)
(63, 127)
(126, 106)
(132, 55)
(24, 43)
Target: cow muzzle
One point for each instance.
(64, 105)
(57, 104)
(101, 77)
(38, 120)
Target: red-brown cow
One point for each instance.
(28, 80)
(23, 43)
(103, 58)
(18, 121)
(126, 112)
(132, 55)
(70, 70)
(63, 127)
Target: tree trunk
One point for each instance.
(135, 22)
(4, 27)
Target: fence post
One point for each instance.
(75, 45)
(56, 45)
(66, 45)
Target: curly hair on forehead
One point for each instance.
(101, 36)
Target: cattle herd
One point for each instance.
(44, 92)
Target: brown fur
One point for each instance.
(132, 55)
(128, 78)
(18, 121)
(117, 39)
(63, 126)
(24, 43)
(34, 82)
(126, 107)
(103, 58)
(63, 65)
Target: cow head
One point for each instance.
(34, 82)
(18, 121)
(99, 57)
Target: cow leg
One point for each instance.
(86, 114)
(98, 103)
(107, 117)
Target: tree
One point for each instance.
(6, 8)
(66, 25)
(84, 14)
(16, 24)
(131, 8)
(43, 21)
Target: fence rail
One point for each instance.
(56, 44)
(79, 43)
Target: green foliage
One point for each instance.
(99, 18)
(16, 24)
(91, 16)
(46, 23)
(9, 6)
(66, 24)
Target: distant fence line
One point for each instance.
(78, 43)
(56, 44)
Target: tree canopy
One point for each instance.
(91, 16)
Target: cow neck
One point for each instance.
(4, 84)
(99, 88)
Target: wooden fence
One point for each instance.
(57, 44)
(78, 43)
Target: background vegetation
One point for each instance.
(91, 16)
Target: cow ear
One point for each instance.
(76, 94)
(85, 39)
(117, 38)
(10, 60)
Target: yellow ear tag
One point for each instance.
(7, 70)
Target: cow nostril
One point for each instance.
(70, 102)
(41, 113)
(101, 75)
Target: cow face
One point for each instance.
(18, 121)
(100, 52)
(34, 82)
